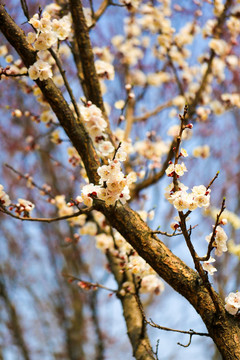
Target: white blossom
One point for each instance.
(232, 303)
(207, 266)
(40, 70)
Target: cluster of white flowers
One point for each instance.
(96, 125)
(220, 241)
(233, 303)
(48, 33)
(4, 198)
(40, 70)
(178, 169)
(207, 266)
(24, 206)
(181, 200)
(104, 69)
(113, 184)
(152, 284)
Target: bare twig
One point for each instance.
(212, 181)
(174, 233)
(88, 285)
(25, 8)
(26, 177)
(46, 220)
(97, 15)
(153, 112)
(66, 83)
(153, 324)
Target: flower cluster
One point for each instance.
(104, 69)
(113, 185)
(220, 240)
(24, 206)
(178, 169)
(232, 303)
(48, 32)
(40, 70)
(181, 200)
(4, 198)
(96, 125)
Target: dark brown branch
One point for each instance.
(101, 10)
(74, 129)
(46, 220)
(178, 81)
(136, 328)
(86, 55)
(88, 285)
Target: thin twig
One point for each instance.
(46, 220)
(89, 285)
(153, 112)
(26, 177)
(178, 81)
(174, 233)
(66, 83)
(210, 245)
(212, 181)
(25, 8)
(153, 324)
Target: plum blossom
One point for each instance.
(113, 185)
(178, 169)
(151, 284)
(24, 206)
(220, 241)
(207, 266)
(40, 70)
(4, 198)
(232, 303)
(104, 69)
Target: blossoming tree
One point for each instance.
(93, 130)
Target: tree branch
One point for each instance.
(46, 220)
(74, 129)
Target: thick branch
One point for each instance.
(74, 129)
(86, 54)
(223, 328)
